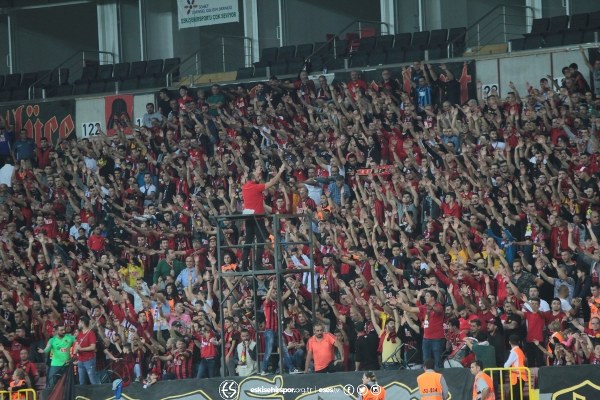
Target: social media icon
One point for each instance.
(361, 389)
(376, 389)
(349, 389)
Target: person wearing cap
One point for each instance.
(483, 387)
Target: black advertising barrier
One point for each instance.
(568, 383)
(52, 119)
(399, 385)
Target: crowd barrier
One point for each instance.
(503, 390)
(23, 394)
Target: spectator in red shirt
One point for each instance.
(254, 199)
(431, 315)
(85, 348)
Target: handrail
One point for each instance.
(487, 14)
(333, 38)
(169, 73)
(31, 88)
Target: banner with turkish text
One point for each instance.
(52, 120)
(192, 13)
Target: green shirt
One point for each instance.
(163, 269)
(61, 349)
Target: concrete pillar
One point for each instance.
(388, 15)
(108, 30)
(251, 27)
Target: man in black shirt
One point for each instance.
(365, 349)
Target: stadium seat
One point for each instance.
(129, 84)
(367, 44)
(88, 73)
(105, 73)
(420, 41)
(517, 44)
(154, 69)
(138, 69)
(377, 57)
(540, 26)
(279, 68)
(1, 81)
(336, 63)
(80, 88)
(12, 81)
(322, 48)
(172, 64)
(268, 55)
(59, 77)
(578, 22)
(457, 38)
(359, 59)
(28, 79)
(149, 82)
(384, 42)
(121, 71)
(304, 50)
(558, 24)
(341, 48)
(294, 67)
(396, 55)
(438, 44)
(402, 40)
(97, 87)
(245, 73)
(260, 72)
(64, 90)
(286, 53)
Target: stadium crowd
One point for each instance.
(440, 229)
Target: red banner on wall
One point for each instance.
(118, 111)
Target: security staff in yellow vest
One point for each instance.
(432, 385)
(483, 387)
(516, 359)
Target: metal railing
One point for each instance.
(494, 373)
(499, 25)
(29, 394)
(192, 65)
(69, 62)
(357, 22)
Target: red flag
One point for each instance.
(374, 86)
(406, 77)
(464, 81)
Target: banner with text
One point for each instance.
(192, 13)
(52, 119)
(399, 385)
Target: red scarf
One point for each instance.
(389, 336)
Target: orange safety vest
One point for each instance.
(430, 385)
(519, 363)
(17, 395)
(491, 395)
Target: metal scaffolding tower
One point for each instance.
(280, 269)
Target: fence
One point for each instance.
(500, 375)
(29, 394)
